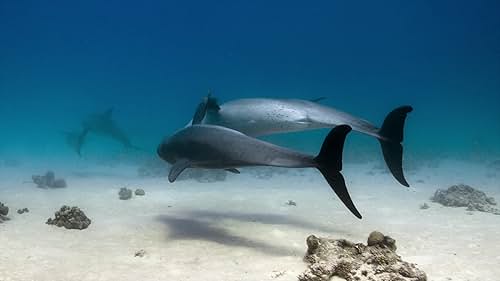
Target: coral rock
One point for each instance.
(59, 183)
(4, 210)
(23, 210)
(48, 181)
(375, 238)
(465, 196)
(125, 193)
(70, 218)
(350, 261)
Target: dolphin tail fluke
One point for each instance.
(81, 141)
(391, 138)
(329, 163)
(76, 139)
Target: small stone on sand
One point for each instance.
(23, 210)
(141, 253)
(4, 211)
(125, 193)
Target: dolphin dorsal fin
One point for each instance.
(201, 111)
(212, 103)
(178, 167)
(208, 103)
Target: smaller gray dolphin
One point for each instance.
(100, 124)
(264, 116)
(216, 147)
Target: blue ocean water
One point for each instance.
(153, 61)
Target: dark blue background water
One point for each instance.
(153, 60)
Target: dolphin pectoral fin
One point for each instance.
(177, 169)
(233, 170)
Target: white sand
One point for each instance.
(239, 229)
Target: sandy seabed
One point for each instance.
(239, 229)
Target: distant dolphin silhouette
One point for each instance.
(75, 140)
(264, 116)
(216, 147)
(100, 124)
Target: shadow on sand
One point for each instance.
(193, 229)
(202, 225)
(272, 219)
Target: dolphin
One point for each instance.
(75, 139)
(217, 147)
(100, 124)
(264, 116)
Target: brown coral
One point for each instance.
(351, 261)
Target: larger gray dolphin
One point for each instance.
(264, 116)
(216, 147)
(100, 124)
